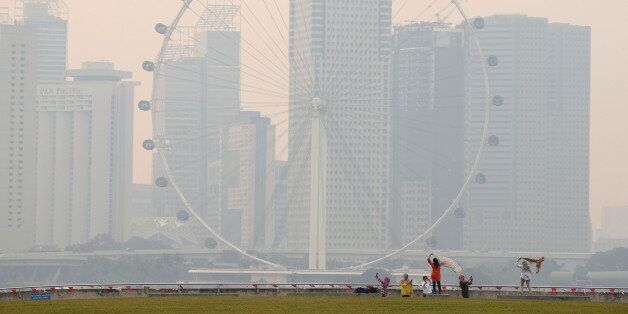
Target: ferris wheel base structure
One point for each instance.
(318, 187)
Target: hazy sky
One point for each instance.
(122, 31)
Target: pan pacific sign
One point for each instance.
(60, 90)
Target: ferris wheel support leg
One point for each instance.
(318, 183)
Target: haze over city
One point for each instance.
(278, 142)
(124, 37)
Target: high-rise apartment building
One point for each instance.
(18, 124)
(340, 53)
(247, 155)
(533, 190)
(428, 135)
(84, 155)
(49, 19)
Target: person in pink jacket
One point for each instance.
(384, 283)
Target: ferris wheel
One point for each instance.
(233, 77)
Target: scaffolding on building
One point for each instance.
(182, 44)
(215, 17)
(54, 8)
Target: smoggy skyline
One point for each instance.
(122, 31)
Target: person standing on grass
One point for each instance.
(526, 275)
(406, 286)
(426, 286)
(385, 284)
(464, 286)
(435, 264)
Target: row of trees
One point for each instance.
(105, 242)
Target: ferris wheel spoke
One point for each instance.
(188, 170)
(367, 198)
(250, 89)
(265, 63)
(284, 55)
(259, 36)
(190, 136)
(258, 75)
(251, 71)
(369, 86)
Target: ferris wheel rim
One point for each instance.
(448, 212)
(164, 162)
(476, 164)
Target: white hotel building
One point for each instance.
(17, 124)
(84, 157)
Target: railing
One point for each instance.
(183, 287)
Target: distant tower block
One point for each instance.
(49, 19)
(318, 200)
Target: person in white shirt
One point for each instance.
(526, 275)
(426, 286)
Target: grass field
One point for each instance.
(303, 305)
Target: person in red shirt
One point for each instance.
(435, 264)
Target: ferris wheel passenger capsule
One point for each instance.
(161, 28)
(480, 179)
(161, 182)
(183, 216)
(148, 66)
(149, 145)
(479, 23)
(493, 61)
(493, 140)
(144, 105)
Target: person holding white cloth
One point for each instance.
(426, 286)
(526, 275)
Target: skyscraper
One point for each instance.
(568, 132)
(201, 91)
(84, 155)
(427, 123)
(612, 233)
(18, 125)
(186, 127)
(247, 155)
(536, 163)
(340, 54)
(49, 19)
(614, 220)
(277, 207)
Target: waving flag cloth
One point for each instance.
(448, 262)
(536, 262)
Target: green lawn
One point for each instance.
(302, 305)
